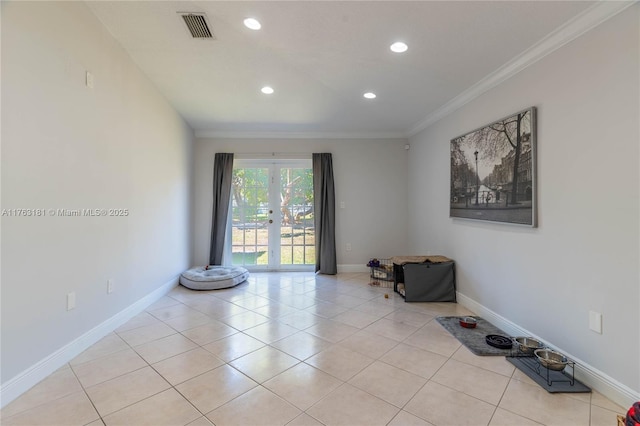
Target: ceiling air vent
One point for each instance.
(197, 25)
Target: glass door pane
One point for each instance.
(297, 233)
(271, 216)
(250, 217)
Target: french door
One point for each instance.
(271, 221)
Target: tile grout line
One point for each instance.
(87, 395)
(374, 360)
(504, 391)
(142, 358)
(338, 343)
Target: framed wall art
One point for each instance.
(493, 171)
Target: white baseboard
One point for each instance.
(352, 268)
(617, 392)
(24, 381)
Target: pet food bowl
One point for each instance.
(551, 359)
(468, 322)
(527, 344)
(498, 341)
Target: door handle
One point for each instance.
(270, 211)
(270, 220)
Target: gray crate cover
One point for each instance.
(430, 282)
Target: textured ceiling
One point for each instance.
(321, 56)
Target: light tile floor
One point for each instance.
(294, 349)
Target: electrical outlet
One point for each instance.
(71, 301)
(109, 286)
(595, 321)
(348, 246)
(89, 81)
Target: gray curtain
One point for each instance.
(222, 176)
(324, 207)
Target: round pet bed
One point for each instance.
(213, 277)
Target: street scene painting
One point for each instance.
(493, 171)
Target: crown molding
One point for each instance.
(213, 134)
(572, 29)
(204, 134)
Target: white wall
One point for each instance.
(65, 146)
(585, 253)
(370, 177)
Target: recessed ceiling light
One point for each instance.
(267, 90)
(369, 95)
(252, 24)
(399, 47)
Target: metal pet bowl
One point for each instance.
(468, 322)
(527, 344)
(551, 359)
